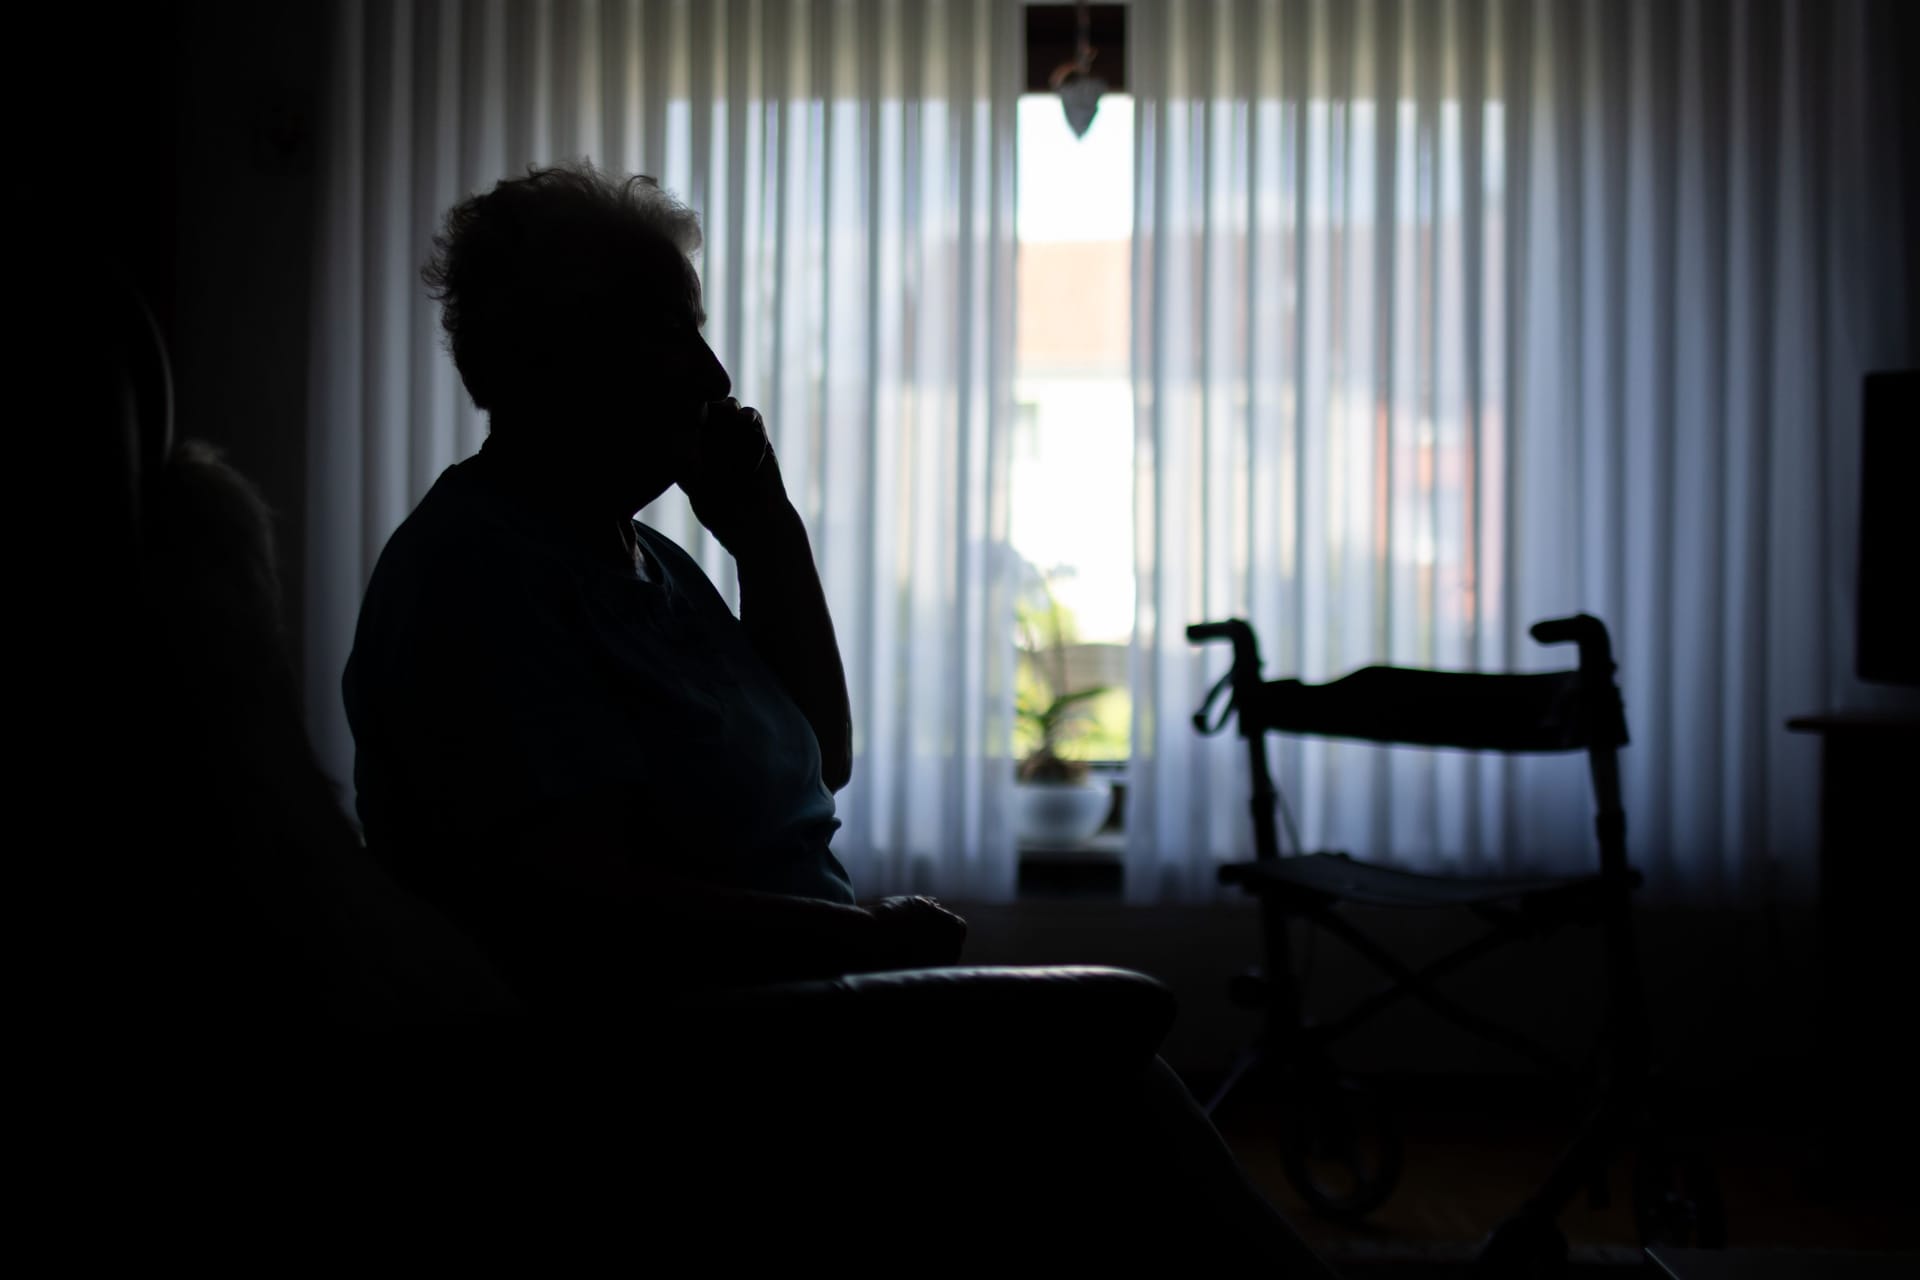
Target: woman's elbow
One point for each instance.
(836, 761)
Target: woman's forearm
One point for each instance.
(784, 609)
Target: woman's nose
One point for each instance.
(716, 384)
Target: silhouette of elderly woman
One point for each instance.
(568, 742)
(563, 734)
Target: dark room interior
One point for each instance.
(1339, 575)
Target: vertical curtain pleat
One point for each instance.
(1454, 316)
(852, 164)
(333, 580)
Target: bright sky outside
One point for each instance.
(1075, 188)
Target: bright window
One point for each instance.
(1072, 483)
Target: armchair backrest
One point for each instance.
(246, 898)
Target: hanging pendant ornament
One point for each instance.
(1078, 87)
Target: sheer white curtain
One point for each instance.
(1451, 316)
(852, 162)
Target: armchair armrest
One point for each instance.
(1070, 1022)
(1076, 1018)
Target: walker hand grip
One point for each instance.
(1585, 630)
(1561, 630)
(1246, 652)
(1242, 675)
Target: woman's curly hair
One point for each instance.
(537, 270)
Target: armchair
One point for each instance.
(298, 1013)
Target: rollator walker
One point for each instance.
(1338, 1144)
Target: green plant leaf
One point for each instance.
(1078, 696)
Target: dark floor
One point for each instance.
(1473, 1150)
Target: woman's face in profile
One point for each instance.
(678, 375)
(661, 376)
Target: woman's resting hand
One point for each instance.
(735, 487)
(915, 933)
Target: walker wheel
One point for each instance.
(1340, 1148)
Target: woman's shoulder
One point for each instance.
(461, 551)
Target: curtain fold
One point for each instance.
(1455, 315)
(852, 164)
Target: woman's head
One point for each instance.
(573, 310)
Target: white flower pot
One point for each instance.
(1060, 813)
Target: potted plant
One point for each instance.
(1058, 802)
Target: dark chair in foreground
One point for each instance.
(1339, 1147)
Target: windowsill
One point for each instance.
(1109, 846)
(1094, 869)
